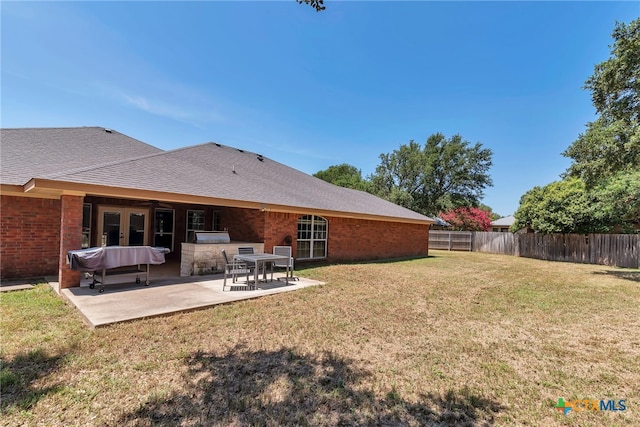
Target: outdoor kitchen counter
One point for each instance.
(206, 258)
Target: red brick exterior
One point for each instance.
(280, 229)
(243, 225)
(29, 237)
(360, 240)
(37, 233)
(348, 239)
(70, 226)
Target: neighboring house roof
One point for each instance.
(507, 221)
(209, 172)
(441, 222)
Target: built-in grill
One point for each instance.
(204, 254)
(204, 237)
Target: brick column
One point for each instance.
(70, 238)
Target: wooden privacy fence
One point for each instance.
(450, 240)
(622, 250)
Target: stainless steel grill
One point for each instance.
(209, 237)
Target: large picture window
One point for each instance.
(312, 237)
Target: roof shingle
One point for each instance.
(206, 170)
(42, 152)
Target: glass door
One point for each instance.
(119, 226)
(137, 228)
(163, 235)
(111, 228)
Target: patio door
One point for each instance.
(120, 226)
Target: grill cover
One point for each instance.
(107, 257)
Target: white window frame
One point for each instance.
(314, 235)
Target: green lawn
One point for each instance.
(453, 339)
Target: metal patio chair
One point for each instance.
(284, 251)
(249, 250)
(233, 269)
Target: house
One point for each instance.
(67, 188)
(503, 224)
(440, 224)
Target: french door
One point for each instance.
(120, 226)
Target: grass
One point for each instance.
(453, 339)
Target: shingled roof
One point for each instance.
(209, 171)
(38, 152)
(506, 221)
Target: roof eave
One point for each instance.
(47, 188)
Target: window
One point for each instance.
(163, 231)
(195, 222)
(312, 237)
(216, 220)
(86, 225)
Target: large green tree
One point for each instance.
(444, 174)
(611, 143)
(559, 207)
(343, 175)
(601, 189)
(569, 206)
(616, 202)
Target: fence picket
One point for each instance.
(622, 250)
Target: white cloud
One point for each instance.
(197, 115)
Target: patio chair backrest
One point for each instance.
(224, 255)
(246, 250)
(282, 250)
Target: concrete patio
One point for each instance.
(165, 295)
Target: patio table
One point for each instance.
(258, 259)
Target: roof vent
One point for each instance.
(260, 157)
(217, 145)
(107, 130)
(242, 151)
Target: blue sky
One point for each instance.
(312, 89)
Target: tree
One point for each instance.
(318, 5)
(559, 207)
(601, 189)
(467, 219)
(616, 202)
(603, 150)
(615, 85)
(445, 174)
(568, 206)
(611, 143)
(343, 175)
(493, 215)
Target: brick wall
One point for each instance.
(349, 239)
(279, 228)
(359, 240)
(70, 226)
(29, 237)
(30, 244)
(243, 225)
